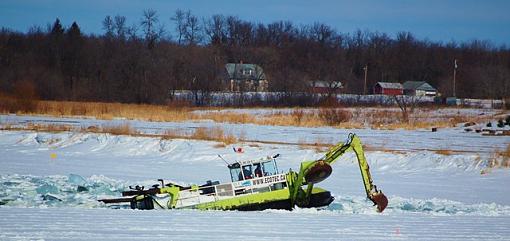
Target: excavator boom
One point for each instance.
(373, 194)
(316, 171)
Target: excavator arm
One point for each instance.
(312, 172)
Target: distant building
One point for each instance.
(388, 88)
(325, 87)
(245, 77)
(419, 88)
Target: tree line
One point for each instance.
(147, 63)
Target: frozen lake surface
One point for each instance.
(432, 196)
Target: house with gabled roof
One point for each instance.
(388, 88)
(245, 78)
(325, 87)
(419, 88)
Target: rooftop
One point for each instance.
(390, 85)
(418, 85)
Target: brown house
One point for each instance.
(245, 77)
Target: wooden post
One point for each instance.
(454, 75)
(365, 84)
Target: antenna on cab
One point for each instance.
(223, 160)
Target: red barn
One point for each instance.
(387, 88)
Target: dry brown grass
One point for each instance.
(398, 152)
(334, 116)
(122, 129)
(319, 144)
(411, 125)
(350, 125)
(39, 127)
(457, 119)
(377, 118)
(220, 145)
(298, 115)
(383, 117)
(203, 133)
(109, 111)
(172, 134)
(13, 104)
(283, 119)
(214, 134)
(23, 99)
(500, 159)
(444, 152)
(506, 152)
(504, 157)
(338, 118)
(223, 117)
(392, 120)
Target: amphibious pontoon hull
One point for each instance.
(278, 199)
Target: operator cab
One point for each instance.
(245, 170)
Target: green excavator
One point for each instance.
(257, 185)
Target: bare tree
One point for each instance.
(180, 24)
(322, 33)
(214, 28)
(192, 29)
(132, 32)
(108, 26)
(120, 26)
(149, 21)
(232, 24)
(407, 104)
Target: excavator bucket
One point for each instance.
(380, 200)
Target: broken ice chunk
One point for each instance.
(77, 179)
(46, 188)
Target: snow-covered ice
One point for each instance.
(49, 184)
(454, 139)
(107, 224)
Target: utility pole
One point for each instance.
(454, 75)
(365, 85)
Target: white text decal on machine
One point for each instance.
(268, 180)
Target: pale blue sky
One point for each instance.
(437, 20)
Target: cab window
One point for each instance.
(258, 170)
(235, 173)
(269, 168)
(247, 172)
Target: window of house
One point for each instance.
(247, 71)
